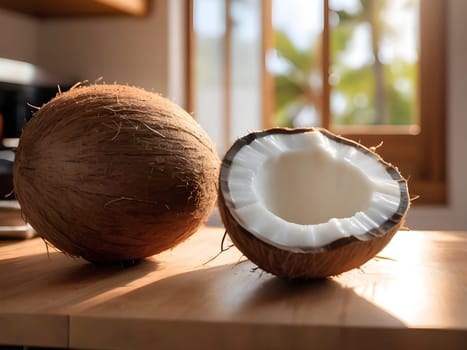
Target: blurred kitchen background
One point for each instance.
(373, 70)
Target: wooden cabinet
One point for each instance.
(58, 8)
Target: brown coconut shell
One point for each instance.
(113, 173)
(333, 259)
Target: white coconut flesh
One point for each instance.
(303, 191)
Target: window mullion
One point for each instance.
(432, 87)
(227, 75)
(326, 61)
(266, 77)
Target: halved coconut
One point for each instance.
(305, 203)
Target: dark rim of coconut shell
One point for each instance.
(394, 220)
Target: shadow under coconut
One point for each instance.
(238, 293)
(60, 280)
(322, 301)
(120, 273)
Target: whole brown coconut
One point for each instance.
(258, 211)
(113, 173)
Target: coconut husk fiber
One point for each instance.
(113, 173)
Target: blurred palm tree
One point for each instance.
(298, 87)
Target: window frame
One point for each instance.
(419, 154)
(421, 157)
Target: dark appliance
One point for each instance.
(17, 103)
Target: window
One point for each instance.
(371, 70)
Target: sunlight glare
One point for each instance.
(301, 20)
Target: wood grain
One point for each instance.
(412, 295)
(56, 8)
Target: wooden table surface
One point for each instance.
(412, 295)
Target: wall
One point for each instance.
(120, 49)
(18, 37)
